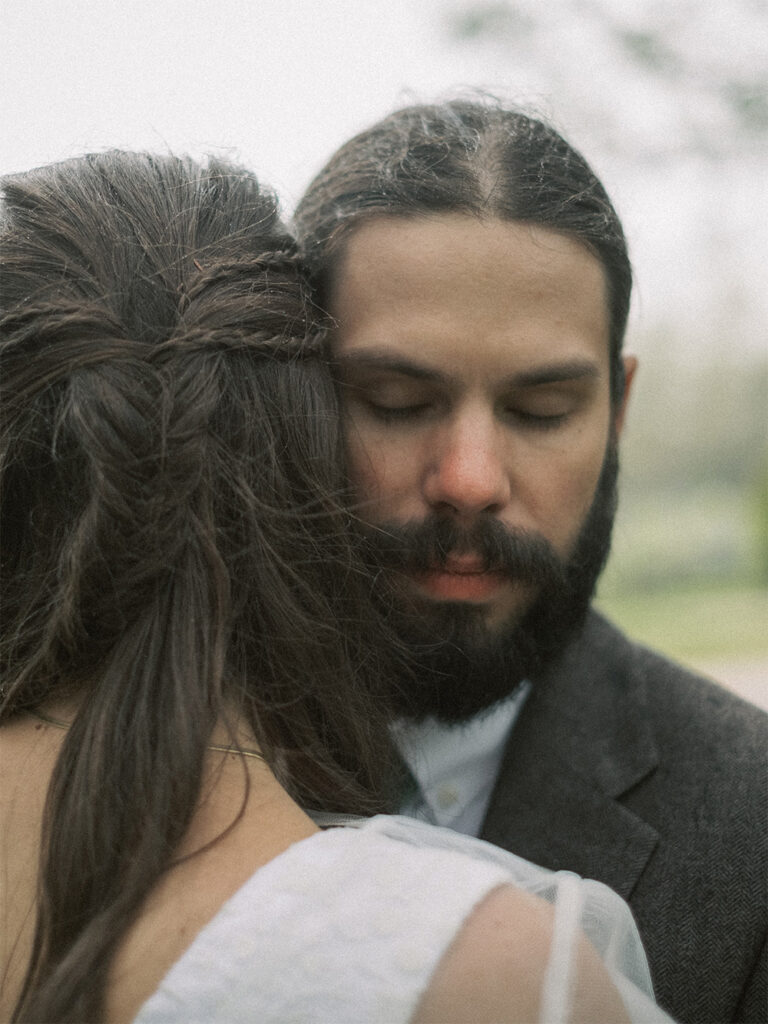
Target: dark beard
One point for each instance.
(458, 666)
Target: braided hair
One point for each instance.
(174, 544)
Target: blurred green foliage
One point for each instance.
(689, 566)
(696, 624)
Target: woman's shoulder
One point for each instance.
(391, 920)
(346, 925)
(497, 970)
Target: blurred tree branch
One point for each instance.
(655, 79)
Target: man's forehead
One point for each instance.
(416, 281)
(452, 235)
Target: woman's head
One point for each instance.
(169, 433)
(173, 544)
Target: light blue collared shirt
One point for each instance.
(456, 766)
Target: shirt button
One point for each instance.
(447, 796)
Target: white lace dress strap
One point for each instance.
(346, 927)
(583, 907)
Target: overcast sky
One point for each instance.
(278, 84)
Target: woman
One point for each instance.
(188, 657)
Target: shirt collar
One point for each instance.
(455, 766)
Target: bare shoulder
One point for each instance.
(494, 970)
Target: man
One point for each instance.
(479, 281)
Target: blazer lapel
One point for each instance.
(582, 740)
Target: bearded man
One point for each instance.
(479, 282)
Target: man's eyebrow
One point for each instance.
(576, 369)
(372, 360)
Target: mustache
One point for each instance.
(429, 544)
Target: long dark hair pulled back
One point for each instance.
(173, 544)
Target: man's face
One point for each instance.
(474, 362)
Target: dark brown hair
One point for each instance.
(173, 543)
(477, 158)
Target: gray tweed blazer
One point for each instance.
(626, 768)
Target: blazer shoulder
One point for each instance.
(694, 707)
(714, 739)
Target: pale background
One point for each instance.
(668, 101)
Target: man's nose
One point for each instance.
(467, 473)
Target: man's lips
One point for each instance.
(464, 565)
(461, 578)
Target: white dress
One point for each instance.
(348, 926)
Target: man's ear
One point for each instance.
(630, 366)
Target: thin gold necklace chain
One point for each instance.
(58, 724)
